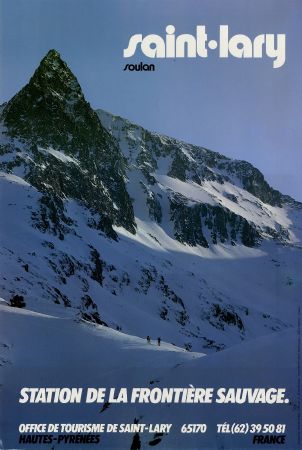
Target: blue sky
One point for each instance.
(244, 109)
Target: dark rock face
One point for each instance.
(253, 181)
(89, 311)
(51, 112)
(197, 222)
(222, 225)
(51, 217)
(179, 167)
(225, 316)
(153, 203)
(187, 223)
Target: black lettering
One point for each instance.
(269, 439)
(140, 67)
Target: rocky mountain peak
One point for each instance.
(211, 237)
(52, 57)
(54, 77)
(51, 109)
(51, 113)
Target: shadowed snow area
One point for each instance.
(110, 233)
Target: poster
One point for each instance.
(150, 227)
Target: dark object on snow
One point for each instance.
(154, 442)
(26, 267)
(136, 442)
(105, 406)
(148, 339)
(17, 301)
(158, 340)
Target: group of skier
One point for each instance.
(149, 340)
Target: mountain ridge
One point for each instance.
(51, 111)
(199, 166)
(136, 230)
(116, 117)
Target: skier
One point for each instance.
(136, 442)
(158, 340)
(148, 339)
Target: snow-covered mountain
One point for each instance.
(111, 233)
(111, 223)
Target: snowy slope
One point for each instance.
(204, 177)
(175, 289)
(118, 360)
(111, 233)
(127, 227)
